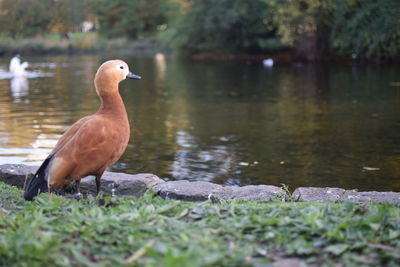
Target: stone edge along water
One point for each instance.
(126, 184)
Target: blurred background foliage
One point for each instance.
(366, 27)
(311, 29)
(135, 19)
(232, 25)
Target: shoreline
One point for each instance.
(91, 43)
(77, 44)
(136, 185)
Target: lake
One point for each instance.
(231, 122)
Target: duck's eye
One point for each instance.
(121, 67)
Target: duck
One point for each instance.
(92, 143)
(16, 68)
(268, 62)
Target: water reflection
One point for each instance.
(230, 122)
(19, 88)
(31, 120)
(193, 162)
(161, 68)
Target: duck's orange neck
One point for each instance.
(112, 104)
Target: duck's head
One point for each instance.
(111, 73)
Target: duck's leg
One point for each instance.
(78, 194)
(98, 184)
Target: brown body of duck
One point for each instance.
(94, 142)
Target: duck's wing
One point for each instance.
(24, 65)
(38, 182)
(96, 144)
(70, 133)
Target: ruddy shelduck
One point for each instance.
(92, 143)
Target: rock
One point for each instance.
(318, 194)
(371, 196)
(328, 194)
(249, 192)
(201, 191)
(124, 184)
(15, 174)
(127, 184)
(185, 190)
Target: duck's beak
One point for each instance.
(133, 76)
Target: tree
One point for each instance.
(69, 15)
(130, 18)
(233, 25)
(25, 17)
(298, 24)
(365, 27)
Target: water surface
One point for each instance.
(228, 122)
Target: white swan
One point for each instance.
(16, 68)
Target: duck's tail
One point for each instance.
(38, 183)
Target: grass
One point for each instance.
(89, 42)
(150, 231)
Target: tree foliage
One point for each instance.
(368, 28)
(68, 15)
(365, 27)
(224, 24)
(25, 17)
(130, 18)
(294, 19)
